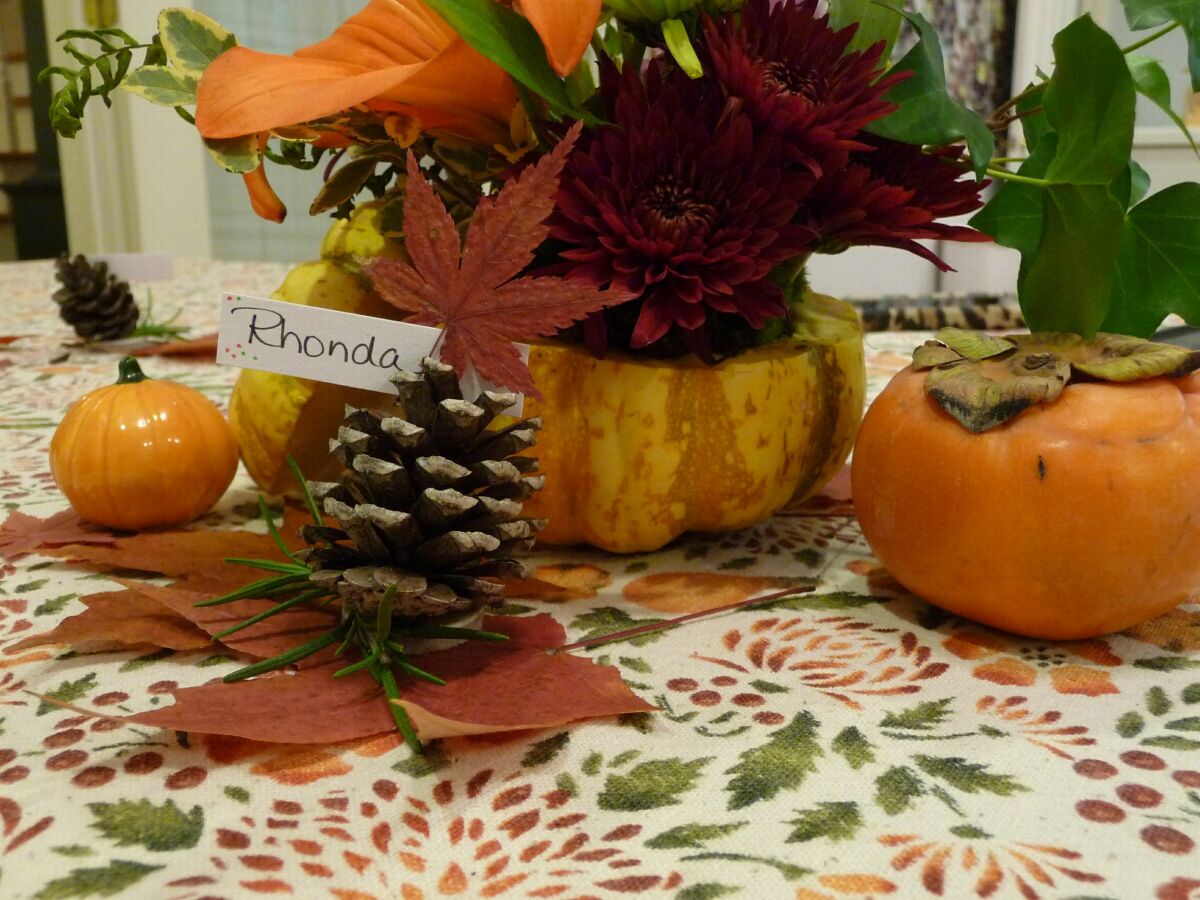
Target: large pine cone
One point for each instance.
(93, 302)
(430, 502)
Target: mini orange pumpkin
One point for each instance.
(142, 453)
(1074, 518)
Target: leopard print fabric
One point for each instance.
(987, 312)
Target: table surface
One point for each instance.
(859, 744)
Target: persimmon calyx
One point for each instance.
(983, 381)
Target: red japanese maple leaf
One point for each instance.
(21, 534)
(472, 287)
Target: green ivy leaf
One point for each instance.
(1143, 14)
(105, 882)
(693, 836)
(651, 785)
(1090, 103)
(853, 746)
(896, 789)
(1151, 81)
(877, 20)
(508, 40)
(968, 777)
(192, 40)
(927, 114)
(68, 692)
(162, 85)
(780, 764)
(141, 823)
(1013, 217)
(921, 717)
(837, 821)
(1158, 268)
(1068, 285)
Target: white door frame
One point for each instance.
(134, 177)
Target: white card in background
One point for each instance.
(327, 345)
(138, 266)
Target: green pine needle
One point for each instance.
(256, 589)
(286, 659)
(404, 724)
(274, 610)
(304, 491)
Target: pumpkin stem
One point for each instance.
(129, 372)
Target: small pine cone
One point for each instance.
(96, 304)
(430, 501)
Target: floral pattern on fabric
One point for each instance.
(844, 744)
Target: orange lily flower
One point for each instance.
(394, 53)
(565, 27)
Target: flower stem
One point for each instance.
(1019, 179)
(1150, 39)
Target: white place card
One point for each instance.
(328, 345)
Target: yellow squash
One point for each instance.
(636, 452)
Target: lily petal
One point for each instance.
(393, 50)
(565, 27)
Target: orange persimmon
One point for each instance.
(1072, 519)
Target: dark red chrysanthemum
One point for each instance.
(892, 195)
(680, 203)
(793, 75)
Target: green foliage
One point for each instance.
(693, 836)
(922, 717)
(1130, 725)
(1143, 14)
(191, 40)
(780, 764)
(1157, 701)
(832, 600)
(787, 870)
(971, 778)
(237, 794)
(434, 758)
(651, 785)
(1167, 663)
(852, 745)
(927, 114)
(507, 39)
(162, 85)
(158, 828)
(1158, 264)
(106, 882)
(1152, 82)
(877, 20)
(837, 821)
(97, 76)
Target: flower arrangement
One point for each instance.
(719, 144)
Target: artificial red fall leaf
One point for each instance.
(196, 557)
(475, 288)
(558, 582)
(125, 618)
(22, 534)
(516, 685)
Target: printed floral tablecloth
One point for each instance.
(849, 743)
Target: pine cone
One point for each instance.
(93, 302)
(430, 502)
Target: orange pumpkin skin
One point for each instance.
(1074, 519)
(143, 453)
